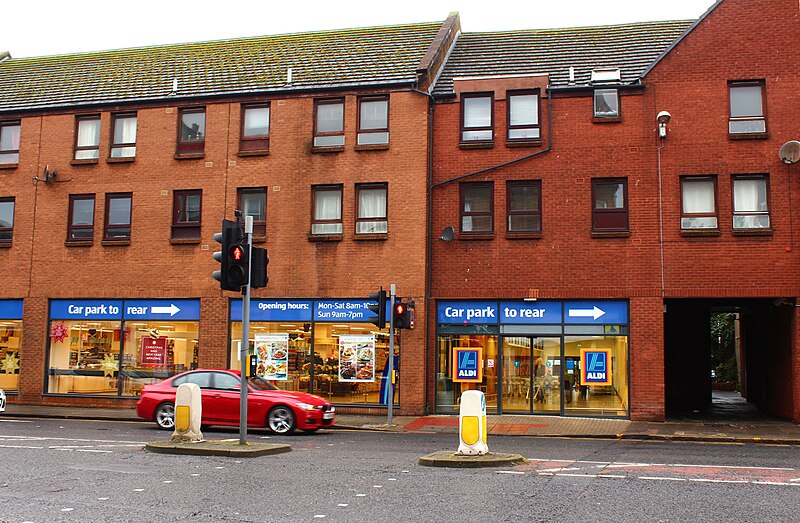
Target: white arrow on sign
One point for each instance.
(171, 310)
(593, 313)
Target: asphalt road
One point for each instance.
(55, 470)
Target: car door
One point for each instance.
(203, 380)
(224, 398)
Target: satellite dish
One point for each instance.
(790, 152)
(447, 234)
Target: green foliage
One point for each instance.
(723, 347)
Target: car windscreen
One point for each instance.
(261, 384)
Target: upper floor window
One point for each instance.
(477, 206)
(523, 116)
(87, 137)
(371, 212)
(373, 120)
(123, 135)
(747, 108)
(610, 209)
(187, 209)
(192, 130)
(255, 128)
(81, 218)
(698, 202)
(476, 118)
(750, 209)
(118, 216)
(606, 103)
(6, 220)
(327, 209)
(253, 202)
(524, 206)
(329, 123)
(9, 142)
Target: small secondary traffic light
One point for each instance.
(258, 266)
(379, 308)
(401, 316)
(229, 236)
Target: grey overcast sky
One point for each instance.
(48, 27)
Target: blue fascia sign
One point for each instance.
(11, 309)
(467, 312)
(158, 309)
(343, 310)
(273, 310)
(596, 312)
(530, 312)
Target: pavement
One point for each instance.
(730, 429)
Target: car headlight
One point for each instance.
(306, 406)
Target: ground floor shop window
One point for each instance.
(448, 392)
(345, 363)
(10, 339)
(116, 347)
(585, 393)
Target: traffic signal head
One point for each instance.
(238, 266)
(401, 316)
(378, 308)
(258, 262)
(226, 238)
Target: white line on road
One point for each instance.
(656, 478)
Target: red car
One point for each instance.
(282, 411)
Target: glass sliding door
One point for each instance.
(531, 370)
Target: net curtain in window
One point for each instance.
(372, 204)
(327, 206)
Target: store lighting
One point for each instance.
(341, 326)
(292, 325)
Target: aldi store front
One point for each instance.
(534, 357)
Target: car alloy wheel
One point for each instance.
(165, 416)
(281, 419)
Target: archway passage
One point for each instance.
(728, 359)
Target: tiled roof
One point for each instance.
(629, 47)
(350, 57)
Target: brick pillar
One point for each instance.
(647, 359)
(32, 354)
(213, 337)
(412, 365)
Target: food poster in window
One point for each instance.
(357, 358)
(272, 353)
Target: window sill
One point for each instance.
(611, 234)
(524, 143)
(475, 236)
(523, 235)
(88, 161)
(751, 232)
(127, 159)
(607, 119)
(259, 239)
(748, 136)
(193, 156)
(324, 237)
(699, 233)
(5, 245)
(184, 241)
(372, 236)
(476, 145)
(372, 147)
(242, 154)
(9, 165)
(329, 149)
(115, 243)
(74, 243)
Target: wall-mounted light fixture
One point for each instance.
(663, 119)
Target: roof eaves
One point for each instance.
(679, 39)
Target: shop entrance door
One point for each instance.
(531, 374)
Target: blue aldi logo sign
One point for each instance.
(595, 367)
(468, 365)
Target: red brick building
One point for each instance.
(117, 167)
(585, 246)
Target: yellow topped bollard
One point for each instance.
(472, 424)
(188, 413)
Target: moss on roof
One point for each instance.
(348, 57)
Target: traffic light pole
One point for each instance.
(390, 398)
(244, 350)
